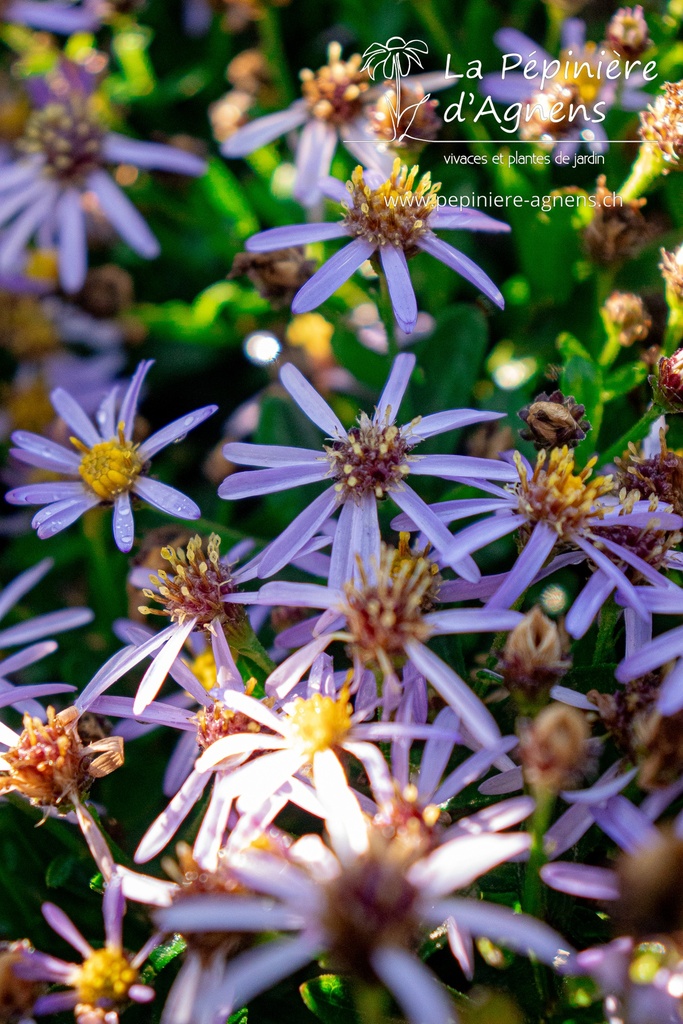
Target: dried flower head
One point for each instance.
(334, 92)
(554, 748)
(107, 292)
(51, 766)
(660, 476)
(662, 124)
(249, 72)
(419, 119)
(651, 901)
(625, 314)
(553, 421)
(551, 112)
(618, 229)
(660, 745)
(626, 710)
(229, 113)
(532, 659)
(628, 33)
(17, 995)
(672, 272)
(277, 276)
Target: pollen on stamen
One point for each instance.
(372, 459)
(559, 496)
(397, 212)
(109, 468)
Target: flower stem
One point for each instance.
(273, 48)
(673, 336)
(644, 173)
(604, 645)
(426, 12)
(532, 896)
(635, 434)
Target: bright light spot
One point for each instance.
(282, 182)
(514, 373)
(587, 135)
(554, 599)
(261, 347)
(126, 174)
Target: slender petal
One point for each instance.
(395, 388)
(264, 130)
(73, 249)
(166, 498)
(332, 275)
(294, 234)
(423, 999)
(123, 216)
(462, 265)
(401, 292)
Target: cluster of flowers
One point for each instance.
(353, 717)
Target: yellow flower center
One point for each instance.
(313, 333)
(555, 494)
(28, 405)
(582, 73)
(204, 668)
(320, 722)
(111, 467)
(395, 213)
(105, 977)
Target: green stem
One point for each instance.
(673, 336)
(604, 645)
(425, 11)
(273, 48)
(635, 434)
(553, 37)
(644, 173)
(611, 349)
(532, 896)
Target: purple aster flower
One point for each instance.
(390, 219)
(316, 894)
(364, 464)
(111, 466)
(552, 504)
(569, 108)
(33, 629)
(386, 619)
(61, 16)
(331, 109)
(658, 652)
(65, 149)
(105, 980)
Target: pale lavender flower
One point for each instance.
(390, 218)
(111, 466)
(65, 149)
(557, 505)
(315, 894)
(370, 461)
(33, 629)
(358, 613)
(105, 980)
(591, 97)
(664, 648)
(331, 110)
(60, 16)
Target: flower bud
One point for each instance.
(554, 748)
(668, 386)
(553, 421)
(627, 33)
(618, 229)
(532, 657)
(662, 124)
(107, 292)
(625, 315)
(651, 900)
(277, 276)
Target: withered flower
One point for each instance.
(51, 766)
(618, 230)
(668, 384)
(555, 748)
(660, 476)
(651, 903)
(551, 112)
(277, 276)
(672, 272)
(662, 124)
(625, 315)
(553, 421)
(532, 659)
(17, 995)
(107, 291)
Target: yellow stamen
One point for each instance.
(320, 722)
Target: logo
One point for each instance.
(394, 61)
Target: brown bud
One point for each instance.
(107, 292)
(660, 476)
(661, 746)
(532, 657)
(651, 900)
(17, 995)
(672, 272)
(624, 712)
(628, 34)
(229, 113)
(249, 72)
(618, 229)
(51, 766)
(627, 313)
(554, 748)
(662, 124)
(277, 276)
(553, 421)
(418, 116)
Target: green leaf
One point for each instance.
(239, 1017)
(162, 955)
(59, 870)
(329, 998)
(583, 379)
(568, 346)
(623, 380)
